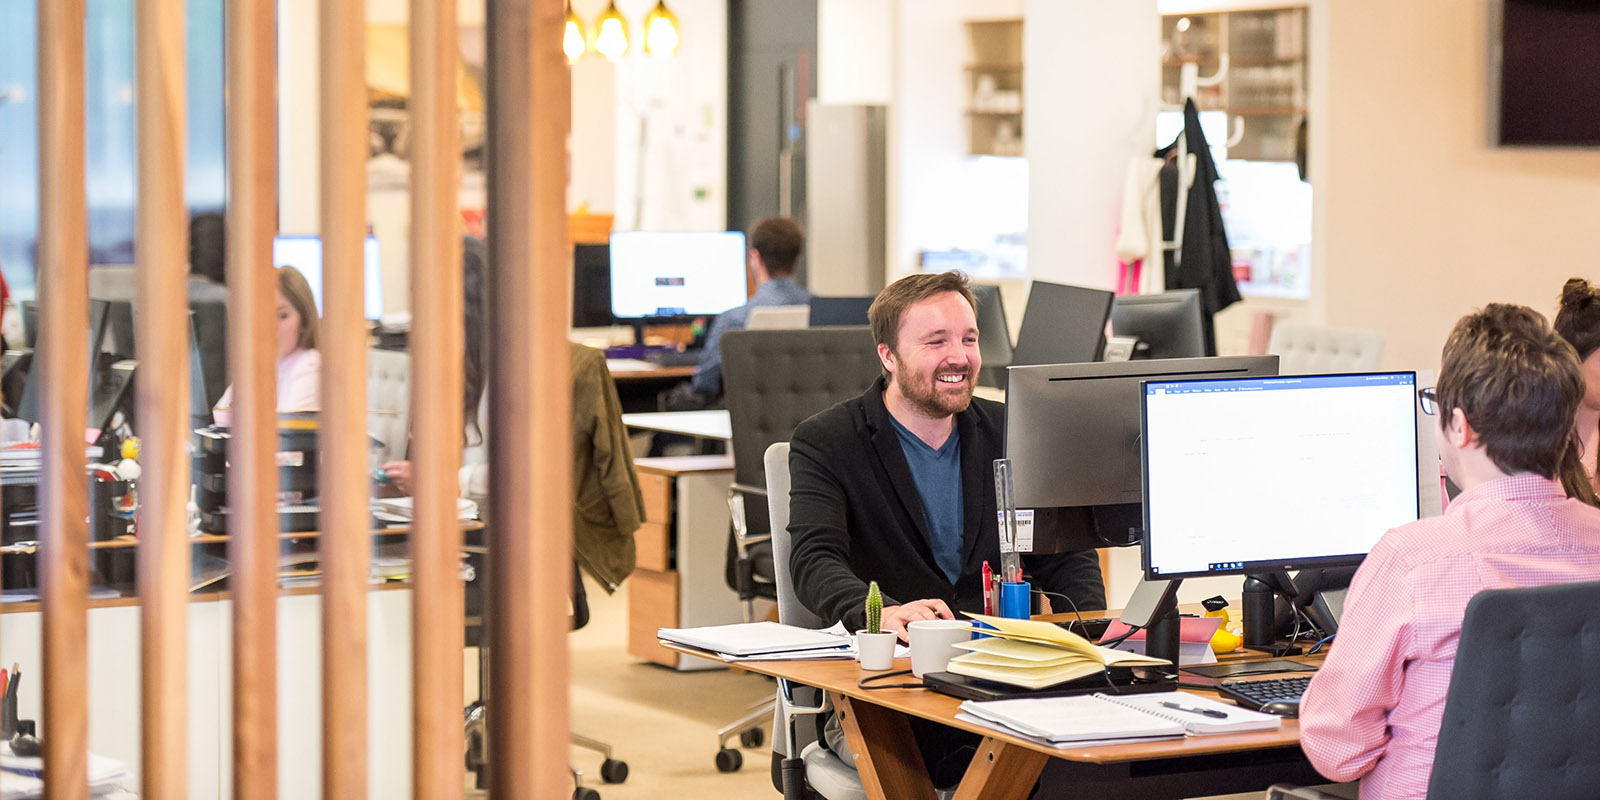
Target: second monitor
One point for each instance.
(1167, 325)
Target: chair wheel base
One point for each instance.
(585, 793)
(729, 760)
(752, 738)
(613, 771)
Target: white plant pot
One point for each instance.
(875, 651)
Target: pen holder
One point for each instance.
(1014, 599)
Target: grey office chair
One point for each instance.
(806, 763)
(1522, 702)
(773, 380)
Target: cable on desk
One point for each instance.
(862, 684)
(1320, 642)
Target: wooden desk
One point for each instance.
(710, 424)
(638, 382)
(877, 725)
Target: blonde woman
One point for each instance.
(299, 363)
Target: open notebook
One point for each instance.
(1104, 717)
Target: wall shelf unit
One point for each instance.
(994, 87)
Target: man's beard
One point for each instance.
(923, 393)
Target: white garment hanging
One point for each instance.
(1140, 239)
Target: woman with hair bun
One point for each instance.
(1578, 322)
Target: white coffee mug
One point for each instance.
(932, 643)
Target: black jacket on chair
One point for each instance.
(855, 515)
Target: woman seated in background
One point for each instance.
(1578, 322)
(299, 363)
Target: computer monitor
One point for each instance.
(591, 286)
(1072, 434)
(1062, 324)
(1249, 475)
(836, 311)
(304, 253)
(994, 335)
(676, 275)
(1167, 325)
(199, 400)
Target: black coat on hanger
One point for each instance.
(1207, 262)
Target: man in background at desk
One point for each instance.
(1508, 389)
(775, 247)
(897, 486)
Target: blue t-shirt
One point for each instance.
(937, 474)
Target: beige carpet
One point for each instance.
(662, 723)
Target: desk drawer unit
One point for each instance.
(682, 548)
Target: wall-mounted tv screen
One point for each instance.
(1545, 73)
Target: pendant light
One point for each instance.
(573, 40)
(611, 33)
(661, 30)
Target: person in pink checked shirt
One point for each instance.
(1508, 388)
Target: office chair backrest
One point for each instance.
(775, 380)
(778, 318)
(1520, 713)
(1312, 349)
(790, 610)
(389, 400)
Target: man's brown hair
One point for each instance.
(1517, 382)
(779, 241)
(891, 303)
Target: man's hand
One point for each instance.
(895, 618)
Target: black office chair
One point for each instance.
(773, 381)
(1522, 699)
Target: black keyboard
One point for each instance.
(673, 358)
(1274, 695)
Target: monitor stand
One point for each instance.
(1154, 607)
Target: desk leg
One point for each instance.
(886, 754)
(1001, 770)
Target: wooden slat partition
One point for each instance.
(252, 474)
(343, 491)
(530, 562)
(436, 393)
(63, 398)
(162, 407)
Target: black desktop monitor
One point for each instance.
(1167, 325)
(591, 286)
(117, 338)
(99, 314)
(827, 312)
(676, 275)
(1258, 475)
(1062, 325)
(994, 335)
(1072, 434)
(30, 323)
(199, 398)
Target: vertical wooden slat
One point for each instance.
(163, 408)
(436, 377)
(63, 397)
(252, 475)
(530, 397)
(345, 522)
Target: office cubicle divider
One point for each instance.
(252, 221)
(161, 339)
(527, 187)
(530, 495)
(63, 397)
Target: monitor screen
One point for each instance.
(591, 285)
(994, 335)
(304, 253)
(676, 274)
(1072, 430)
(1062, 324)
(1167, 325)
(1262, 474)
(827, 312)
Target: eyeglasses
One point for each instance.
(1429, 400)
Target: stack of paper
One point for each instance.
(21, 777)
(1070, 720)
(760, 641)
(399, 509)
(1034, 655)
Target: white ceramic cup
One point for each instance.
(931, 643)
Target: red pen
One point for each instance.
(988, 589)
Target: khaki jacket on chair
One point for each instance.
(609, 505)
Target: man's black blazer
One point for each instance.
(855, 516)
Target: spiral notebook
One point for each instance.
(1103, 717)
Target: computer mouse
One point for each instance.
(1281, 708)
